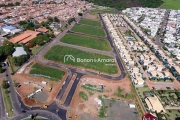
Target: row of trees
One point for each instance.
(10, 4)
(40, 40)
(122, 4)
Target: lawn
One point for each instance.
(38, 118)
(8, 103)
(107, 10)
(36, 49)
(90, 22)
(47, 72)
(141, 90)
(89, 30)
(83, 95)
(171, 4)
(84, 41)
(82, 59)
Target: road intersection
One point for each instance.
(54, 112)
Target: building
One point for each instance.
(154, 104)
(149, 116)
(8, 28)
(42, 30)
(19, 51)
(24, 37)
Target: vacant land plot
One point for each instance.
(89, 30)
(47, 72)
(108, 10)
(81, 58)
(84, 41)
(90, 22)
(171, 4)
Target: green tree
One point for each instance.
(56, 19)
(5, 85)
(17, 3)
(80, 14)
(1, 70)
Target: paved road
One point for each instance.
(2, 107)
(72, 90)
(18, 105)
(165, 19)
(87, 49)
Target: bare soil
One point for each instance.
(91, 16)
(26, 89)
(80, 106)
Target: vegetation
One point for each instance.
(90, 42)
(83, 95)
(107, 10)
(7, 99)
(40, 40)
(122, 4)
(91, 87)
(102, 111)
(89, 30)
(57, 53)
(18, 61)
(70, 20)
(80, 14)
(10, 4)
(171, 4)
(47, 72)
(90, 22)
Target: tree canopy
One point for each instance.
(122, 4)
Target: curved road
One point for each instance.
(53, 111)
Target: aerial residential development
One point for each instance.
(89, 60)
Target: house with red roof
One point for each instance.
(149, 116)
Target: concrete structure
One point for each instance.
(154, 104)
(19, 51)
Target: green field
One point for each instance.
(89, 30)
(47, 72)
(90, 22)
(171, 4)
(84, 41)
(93, 61)
(83, 95)
(107, 10)
(7, 102)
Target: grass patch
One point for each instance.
(171, 4)
(8, 103)
(107, 10)
(91, 87)
(89, 30)
(36, 49)
(90, 93)
(57, 53)
(47, 72)
(102, 110)
(35, 119)
(84, 41)
(90, 22)
(83, 95)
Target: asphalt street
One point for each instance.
(72, 90)
(54, 112)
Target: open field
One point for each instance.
(48, 72)
(171, 4)
(107, 10)
(89, 30)
(8, 103)
(84, 41)
(82, 59)
(90, 22)
(36, 49)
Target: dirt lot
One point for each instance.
(80, 106)
(91, 16)
(26, 89)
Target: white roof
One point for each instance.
(19, 51)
